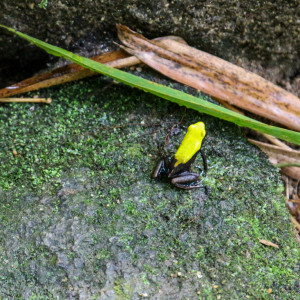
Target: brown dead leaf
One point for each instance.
(216, 77)
(268, 243)
(278, 155)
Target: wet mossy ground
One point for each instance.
(81, 218)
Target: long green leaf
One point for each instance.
(166, 92)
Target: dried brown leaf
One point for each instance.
(278, 155)
(216, 77)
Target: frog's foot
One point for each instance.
(186, 180)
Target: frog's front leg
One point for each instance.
(185, 179)
(160, 168)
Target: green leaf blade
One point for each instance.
(168, 93)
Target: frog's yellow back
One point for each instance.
(191, 143)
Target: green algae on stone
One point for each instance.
(82, 218)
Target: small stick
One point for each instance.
(276, 142)
(36, 100)
(268, 243)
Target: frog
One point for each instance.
(177, 169)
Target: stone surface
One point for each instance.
(81, 218)
(262, 36)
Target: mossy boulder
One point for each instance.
(81, 218)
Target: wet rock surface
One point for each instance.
(262, 36)
(81, 218)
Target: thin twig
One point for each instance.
(23, 100)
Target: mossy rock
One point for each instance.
(81, 218)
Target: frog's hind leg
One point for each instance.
(186, 181)
(204, 159)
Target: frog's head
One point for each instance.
(197, 130)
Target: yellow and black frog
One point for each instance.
(178, 169)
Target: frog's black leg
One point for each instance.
(185, 180)
(181, 168)
(204, 161)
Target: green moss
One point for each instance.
(122, 290)
(43, 4)
(134, 151)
